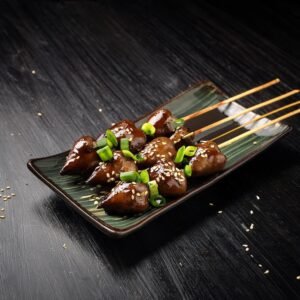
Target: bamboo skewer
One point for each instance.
(254, 107)
(256, 119)
(231, 99)
(241, 136)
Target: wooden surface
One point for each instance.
(126, 59)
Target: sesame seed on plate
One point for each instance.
(267, 272)
(39, 114)
(251, 212)
(298, 277)
(220, 211)
(251, 226)
(2, 217)
(257, 197)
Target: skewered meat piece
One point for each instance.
(107, 172)
(82, 159)
(127, 129)
(171, 181)
(207, 160)
(162, 119)
(177, 137)
(158, 149)
(126, 199)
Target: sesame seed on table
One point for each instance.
(70, 68)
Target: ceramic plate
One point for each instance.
(82, 197)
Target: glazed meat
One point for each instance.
(177, 137)
(208, 159)
(156, 150)
(171, 181)
(162, 119)
(126, 199)
(82, 159)
(107, 172)
(127, 129)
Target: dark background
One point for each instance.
(126, 57)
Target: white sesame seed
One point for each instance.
(138, 194)
(33, 72)
(267, 272)
(254, 143)
(132, 197)
(251, 255)
(96, 202)
(298, 277)
(133, 191)
(210, 204)
(2, 209)
(39, 114)
(251, 226)
(220, 211)
(8, 187)
(245, 245)
(260, 265)
(247, 249)
(257, 197)
(2, 217)
(64, 246)
(100, 109)
(251, 212)
(247, 230)
(107, 175)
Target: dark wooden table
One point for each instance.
(67, 60)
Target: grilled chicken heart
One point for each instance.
(82, 158)
(162, 119)
(126, 199)
(156, 150)
(208, 159)
(107, 172)
(177, 137)
(171, 181)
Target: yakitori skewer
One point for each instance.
(254, 107)
(245, 134)
(259, 117)
(231, 99)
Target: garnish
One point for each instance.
(124, 144)
(105, 153)
(144, 176)
(111, 137)
(179, 155)
(104, 142)
(190, 150)
(148, 129)
(188, 170)
(158, 201)
(130, 176)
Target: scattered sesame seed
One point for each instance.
(251, 226)
(33, 72)
(251, 212)
(13, 194)
(8, 187)
(2, 217)
(96, 202)
(251, 255)
(298, 277)
(8, 197)
(254, 143)
(267, 272)
(2, 209)
(210, 204)
(2, 190)
(260, 265)
(132, 197)
(247, 249)
(220, 211)
(247, 230)
(64, 246)
(180, 264)
(39, 114)
(100, 109)
(112, 124)
(245, 245)
(257, 197)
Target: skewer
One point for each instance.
(254, 107)
(231, 99)
(241, 136)
(256, 119)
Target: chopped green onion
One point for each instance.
(148, 129)
(190, 150)
(129, 154)
(104, 142)
(129, 176)
(188, 170)
(139, 157)
(179, 155)
(153, 187)
(144, 176)
(124, 144)
(105, 153)
(158, 201)
(111, 137)
(178, 123)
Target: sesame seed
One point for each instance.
(247, 249)
(2, 190)
(2, 217)
(251, 226)
(251, 255)
(8, 187)
(133, 191)
(251, 212)
(96, 202)
(298, 277)
(2, 209)
(64, 246)
(260, 265)
(107, 175)
(8, 197)
(245, 245)
(267, 272)
(100, 109)
(257, 197)
(39, 114)
(132, 197)
(220, 211)
(138, 194)
(210, 204)
(254, 143)
(33, 72)
(247, 230)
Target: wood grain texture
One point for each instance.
(126, 58)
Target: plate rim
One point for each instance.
(118, 232)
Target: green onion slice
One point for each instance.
(179, 155)
(129, 176)
(111, 137)
(104, 142)
(129, 154)
(178, 123)
(105, 153)
(153, 187)
(148, 129)
(124, 144)
(144, 176)
(188, 170)
(158, 201)
(190, 150)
